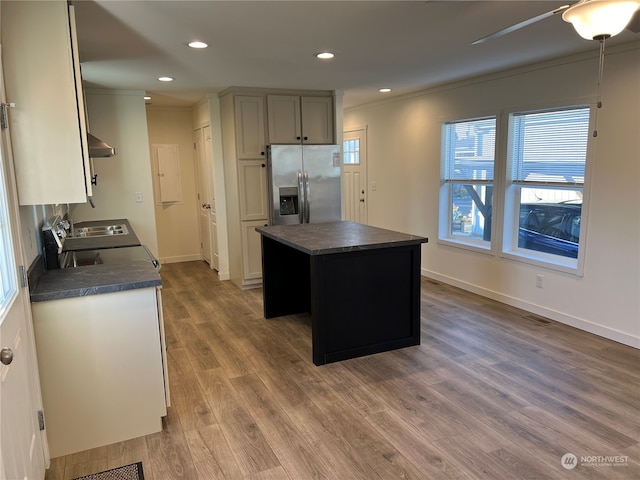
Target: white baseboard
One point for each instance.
(182, 258)
(586, 325)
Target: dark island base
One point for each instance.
(361, 302)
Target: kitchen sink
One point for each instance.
(100, 231)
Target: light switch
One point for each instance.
(374, 186)
(138, 197)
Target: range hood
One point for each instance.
(98, 148)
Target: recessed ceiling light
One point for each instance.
(165, 79)
(325, 55)
(384, 90)
(198, 44)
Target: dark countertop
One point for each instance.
(95, 279)
(337, 237)
(107, 241)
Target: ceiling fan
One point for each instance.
(592, 19)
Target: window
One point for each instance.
(466, 195)
(8, 287)
(539, 181)
(546, 162)
(351, 149)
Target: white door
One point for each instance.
(21, 444)
(213, 222)
(354, 175)
(204, 206)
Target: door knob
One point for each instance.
(6, 356)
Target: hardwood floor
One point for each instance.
(492, 392)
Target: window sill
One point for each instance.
(551, 262)
(466, 245)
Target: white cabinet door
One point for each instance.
(317, 120)
(47, 130)
(293, 119)
(101, 368)
(251, 252)
(252, 179)
(285, 125)
(250, 135)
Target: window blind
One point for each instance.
(470, 150)
(550, 147)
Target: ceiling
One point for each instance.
(403, 45)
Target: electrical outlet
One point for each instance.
(539, 280)
(138, 197)
(374, 186)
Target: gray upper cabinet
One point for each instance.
(300, 119)
(47, 124)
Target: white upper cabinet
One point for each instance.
(285, 121)
(294, 119)
(47, 125)
(249, 116)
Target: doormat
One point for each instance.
(128, 472)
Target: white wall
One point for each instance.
(119, 117)
(177, 223)
(404, 161)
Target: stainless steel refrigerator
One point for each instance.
(304, 184)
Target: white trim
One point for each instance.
(181, 258)
(570, 320)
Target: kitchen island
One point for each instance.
(360, 284)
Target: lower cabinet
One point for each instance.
(251, 253)
(102, 365)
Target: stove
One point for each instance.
(54, 232)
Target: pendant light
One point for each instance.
(599, 20)
(596, 19)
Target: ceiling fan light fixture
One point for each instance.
(600, 19)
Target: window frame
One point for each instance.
(8, 268)
(511, 198)
(506, 196)
(447, 185)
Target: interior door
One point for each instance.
(213, 221)
(354, 175)
(204, 205)
(22, 452)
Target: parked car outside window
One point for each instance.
(550, 227)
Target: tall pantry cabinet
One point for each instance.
(251, 119)
(42, 78)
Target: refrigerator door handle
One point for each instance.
(301, 197)
(307, 195)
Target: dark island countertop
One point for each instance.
(107, 241)
(337, 237)
(95, 279)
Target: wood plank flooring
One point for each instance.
(492, 392)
